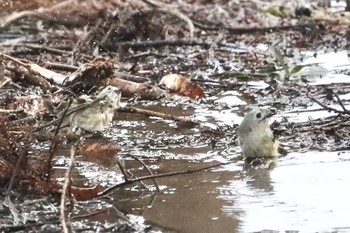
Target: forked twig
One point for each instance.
(147, 168)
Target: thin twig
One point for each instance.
(18, 164)
(12, 208)
(158, 114)
(15, 60)
(123, 171)
(248, 30)
(14, 212)
(108, 190)
(11, 111)
(54, 142)
(66, 185)
(60, 66)
(154, 43)
(42, 48)
(45, 49)
(328, 108)
(340, 102)
(147, 168)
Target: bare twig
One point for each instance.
(11, 111)
(15, 60)
(42, 48)
(154, 43)
(108, 190)
(13, 210)
(83, 41)
(158, 114)
(340, 102)
(147, 168)
(54, 142)
(329, 108)
(66, 186)
(32, 76)
(60, 66)
(22, 156)
(123, 171)
(248, 30)
(46, 49)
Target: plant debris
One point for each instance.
(53, 54)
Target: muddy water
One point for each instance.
(306, 191)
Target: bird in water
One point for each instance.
(255, 136)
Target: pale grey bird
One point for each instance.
(93, 114)
(255, 136)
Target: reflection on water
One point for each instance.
(309, 193)
(302, 192)
(190, 203)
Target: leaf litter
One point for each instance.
(70, 48)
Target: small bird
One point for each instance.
(93, 114)
(255, 136)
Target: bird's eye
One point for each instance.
(258, 115)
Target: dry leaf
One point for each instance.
(182, 85)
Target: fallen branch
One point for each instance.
(33, 74)
(147, 112)
(108, 190)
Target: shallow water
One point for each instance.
(303, 192)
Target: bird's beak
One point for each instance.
(271, 113)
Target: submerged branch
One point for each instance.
(108, 190)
